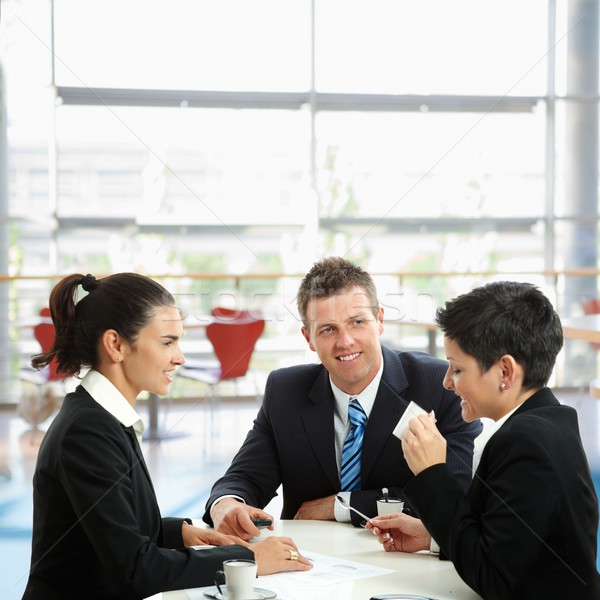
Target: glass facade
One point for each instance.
(233, 137)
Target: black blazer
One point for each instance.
(528, 526)
(97, 529)
(292, 441)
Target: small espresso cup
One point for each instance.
(239, 575)
(392, 505)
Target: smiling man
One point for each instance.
(325, 429)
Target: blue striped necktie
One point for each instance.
(352, 450)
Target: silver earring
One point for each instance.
(503, 385)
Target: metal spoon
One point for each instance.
(345, 504)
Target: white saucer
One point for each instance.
(258, 593)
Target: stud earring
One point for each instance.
(503, 386)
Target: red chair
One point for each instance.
(230, 314)
(45, 334)
(36, 408)
(233, 336)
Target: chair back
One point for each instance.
(221, 313)
(233, 342)
(591, 307)
(45, 335)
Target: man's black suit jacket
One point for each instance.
(528, 526)
(292, 440)
(97, 529)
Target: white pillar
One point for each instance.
(581, 176)
(6, 381)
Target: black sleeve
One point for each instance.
(96, 472)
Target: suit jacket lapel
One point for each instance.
(319, 426)
(130, 433)
(387, 409)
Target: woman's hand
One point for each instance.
(400, 533)
(274, 554)
(423, 445)
(199, 536)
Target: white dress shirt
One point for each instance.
(109, 398)
(341, 425)
(489, 429)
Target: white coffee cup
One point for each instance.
(392, 505)
(239, 575)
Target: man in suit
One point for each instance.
(303, 429)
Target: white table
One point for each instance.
(422, 574)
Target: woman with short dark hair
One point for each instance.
(527, 528)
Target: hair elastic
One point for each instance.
(89, 283)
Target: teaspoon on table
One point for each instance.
(345, 504)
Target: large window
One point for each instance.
(237, 137)
(432, 47)
(431, 164)
(183, 44)
(316, 118)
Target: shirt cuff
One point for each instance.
(223, 498)
(433, 547)
(341, 513)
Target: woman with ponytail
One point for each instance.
(97, 528)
